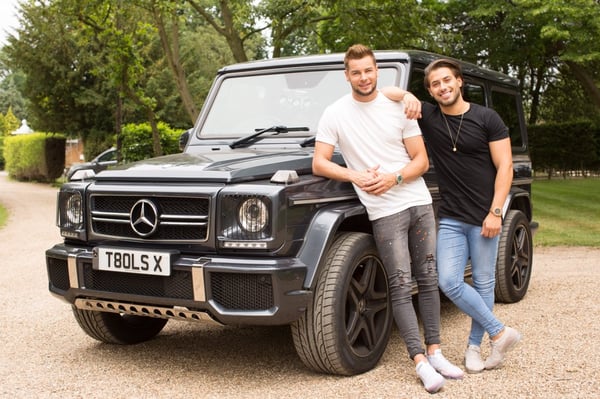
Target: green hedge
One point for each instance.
(136, 141)
(36, 156)
(565, 147)
(2, 162)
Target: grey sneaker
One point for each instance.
(444, 367)
(432, 380)
(473, 362)
(500, 347)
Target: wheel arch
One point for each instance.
(520, 200)
(324, 226)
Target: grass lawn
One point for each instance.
(568, 212)
(3, 215)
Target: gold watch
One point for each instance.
(496, 212)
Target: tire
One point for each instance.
(515, 257)
(115, 328)
(347, 328)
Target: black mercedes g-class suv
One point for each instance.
(236, 230)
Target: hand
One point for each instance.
(412, 106)
(379, 183)
(492, 226)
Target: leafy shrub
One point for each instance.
(136, 143)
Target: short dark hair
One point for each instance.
(442, 63)
(356, 52)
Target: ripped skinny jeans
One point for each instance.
(411, 234)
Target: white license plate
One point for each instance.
(155, 263)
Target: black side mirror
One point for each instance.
(184, 138)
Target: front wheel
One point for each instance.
(347, 328)
(115, 328)
(515, 258)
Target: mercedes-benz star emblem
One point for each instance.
(144, 217)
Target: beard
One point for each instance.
(449, 102)
(361, 93)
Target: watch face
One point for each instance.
(497, 211)
(399, 178)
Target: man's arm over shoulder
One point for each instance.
(412, 105)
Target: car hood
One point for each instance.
(219, 166)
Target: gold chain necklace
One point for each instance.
(454, 141)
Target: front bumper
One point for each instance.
(236, 291)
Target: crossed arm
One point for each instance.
(371, 180)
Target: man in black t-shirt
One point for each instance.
(471, 151)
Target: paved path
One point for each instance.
(44, 354)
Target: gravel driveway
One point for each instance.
(44, 354)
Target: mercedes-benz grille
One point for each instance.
(150, 218)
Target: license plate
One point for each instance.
(154, 263)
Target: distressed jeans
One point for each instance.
(407, 235)
(457, 242)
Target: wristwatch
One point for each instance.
(496, 212)
(399, 178)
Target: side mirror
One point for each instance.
(83, 174)
(184, 138)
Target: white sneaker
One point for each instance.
(432, 380)
(444, 367)
(473, 362)
(509, 338)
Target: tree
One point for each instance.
(572, 29)
(10, 122)
(166, 18)
(530, 39)
(293, 25)
(235, 20)
(384, 24)
(53, 65)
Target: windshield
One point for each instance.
(245, 104)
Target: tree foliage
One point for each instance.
(88, 68)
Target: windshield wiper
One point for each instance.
(254, 136)
(309, 142)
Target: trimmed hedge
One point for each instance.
(565, 147)
(36, 156)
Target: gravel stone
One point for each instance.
(44, 354)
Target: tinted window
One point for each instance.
(506, 104)
(474, 93)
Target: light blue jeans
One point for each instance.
(457, 241)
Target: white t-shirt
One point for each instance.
(370, 134)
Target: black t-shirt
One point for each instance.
(466, 176)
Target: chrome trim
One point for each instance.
(321, 200)
(198, 283)
(523, 180)
(161, 312)
(72, 269)
(164, 219)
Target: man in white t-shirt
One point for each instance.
(386, 157)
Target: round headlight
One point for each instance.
(253, 215)
(74, 211)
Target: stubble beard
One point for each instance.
(450, 102)
(360, 93)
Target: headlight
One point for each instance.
(253, 215)
(245, 218)
(70, 210)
